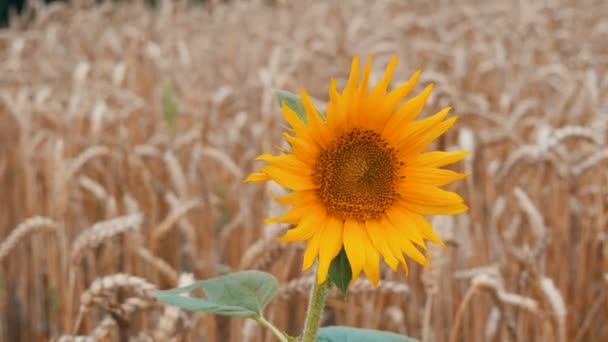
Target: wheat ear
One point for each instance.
(33, 225)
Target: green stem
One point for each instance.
(316, 302)
(276, 332)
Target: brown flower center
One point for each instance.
(356, 176)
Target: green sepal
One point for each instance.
(340, 272)
(292, 101)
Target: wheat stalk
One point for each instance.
(148, 151)
(225, 160)
(591, 314)
(592, 161)
(100, 193)
(159, 264)
(92, 152)
(531, 154)
(494, 287)
(29, 227)
(432, 274)
(540, 230)
(176, 173)
(101, 290)
(104, 230)
(556, 302)
(263, 253)
(103, 287)
(170, 220)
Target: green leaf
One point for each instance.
(292, 101)
(340, 272)
(170, 108)
(348, 334)
(240, 294)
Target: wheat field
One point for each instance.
(126, 132)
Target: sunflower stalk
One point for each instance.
(316, 303)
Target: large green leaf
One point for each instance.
(292, 101)
(236, 294)
(348, 334)
(340, 272)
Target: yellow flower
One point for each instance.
(361, 179)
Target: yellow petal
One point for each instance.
(336, 113)
(428, 195)
(334, 96)
(377, 102)
(355, 243)
(405, 269)
(288, 161)
(425, 228)
(384, 107)
(304, 150)
(399, 236)
(289, 179)
(349, 101)
(353, 79)
(312, 249)
(401, 137)
(372, 264)
(331, 245)
(297, 197)
(438, 158)
(317, 130)
(364, 82)
(378, 237)
(406, 113)
(433, 209)
(429, 175)
(411, 251)
(307, 227)
(419, 141)
(257, 177)
(406, 226)
(294, 121)
(393, 239)
(395, 96)
(380, 88)
(401, 239)
(292, 215)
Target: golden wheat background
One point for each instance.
(101, 203)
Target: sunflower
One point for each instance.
(360, 177)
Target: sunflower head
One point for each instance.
(360, 177)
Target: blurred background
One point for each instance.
(127, 127)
